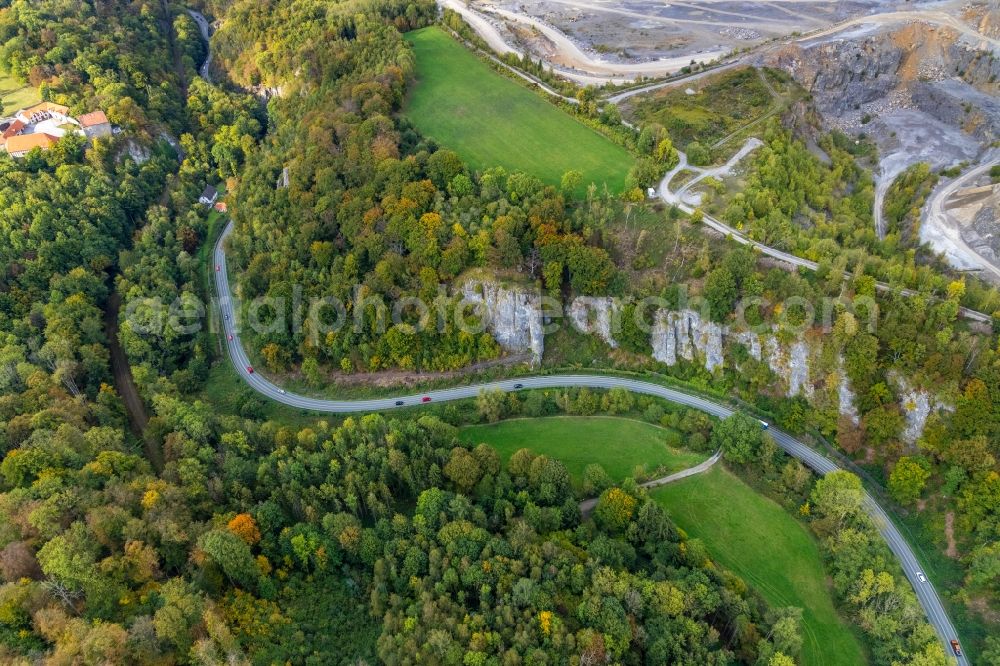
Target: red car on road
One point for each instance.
(426, 398)
(230, 337)
(956, 648)
(250, 369)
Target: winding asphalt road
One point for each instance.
(205, 31)
(926, 593)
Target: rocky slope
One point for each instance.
(925, 93)
(513, 316)
(800, 365)
(873, 71)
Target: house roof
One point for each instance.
(13, 129)
(22, 143)
(93, 118)
(45, 106)
(209, 193)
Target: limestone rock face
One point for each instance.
(594, 315)
(916, 409)
(707, 338)
(790, 363)
(798, 369)
(513, 316)
(751, 341)
(917, 405)
(860, 71)
(686, 335)
(886, 66)
(663, 338)
(846, 397)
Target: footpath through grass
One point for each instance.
(616, 444)
(757, 539)
(461, 103)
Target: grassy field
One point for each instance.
(757, 539)
(492, 121)
(14, 96)
(616, 444)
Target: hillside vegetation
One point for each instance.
(225, 529)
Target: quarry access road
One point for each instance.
(586, 70)
(672, 198)
(945, 235)
(581, 68)
(925, 592)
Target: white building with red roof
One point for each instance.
(94, 124)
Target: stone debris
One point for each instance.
(743, 34)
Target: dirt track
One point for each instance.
(125, 385)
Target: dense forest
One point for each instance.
(106, 559)
(271, 540)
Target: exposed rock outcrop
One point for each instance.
(917, 405)
(265, 93)
(842, 73)
(595, 316)
(846, 398)
(664, 338)
(686, 335)
(751, 341)
(790, 362)
(512, 315)
(961, 105)
(849, 72)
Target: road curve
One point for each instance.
(798, 262)
(205, 31)
(936, 218)
(925, 592)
